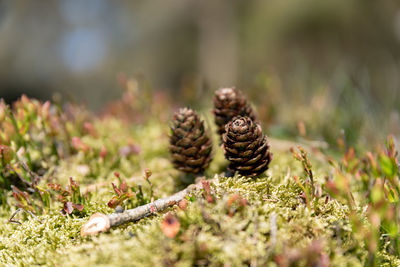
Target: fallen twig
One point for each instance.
(11, 220)
(99, 222)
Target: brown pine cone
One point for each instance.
(229, 103)
(190, 145)
(246, 147)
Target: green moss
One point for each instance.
(275, 221)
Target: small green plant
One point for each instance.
(122, 193)
(303, 158)
(132, 195)
(71, 198)
(25, 201)
(311, 190)
(33, 133)
(377, 175)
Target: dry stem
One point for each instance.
(99, 222)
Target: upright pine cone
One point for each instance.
(190, 145)
(229, 103)
(246, 147)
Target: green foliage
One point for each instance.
(131, 196)
(71, 198)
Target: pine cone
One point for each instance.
(229, 103)
(246, 147)
(190, 146)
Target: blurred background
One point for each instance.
(314, 68)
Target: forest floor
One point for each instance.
(282, 218)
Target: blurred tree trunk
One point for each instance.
(217, 42)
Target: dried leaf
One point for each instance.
(78, 207)
(68, 207)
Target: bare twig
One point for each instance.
(99, 222)
(11, 220)
(33, 215)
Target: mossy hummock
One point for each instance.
(190, 145)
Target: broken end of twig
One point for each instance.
(97, 223)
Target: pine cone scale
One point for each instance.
(178, 157)
(242, 169)
(200, 141)
(205, 150)
(241, 144)
(195, 162)
(190, 152)
(262, 167)
(180, 132)
(231, 150)
(247, 153)
(174, 149)
(262, 147)
(184, 142)
(254, 160)
(244, 137)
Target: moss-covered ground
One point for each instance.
(271, 220)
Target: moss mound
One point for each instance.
(272, 220)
